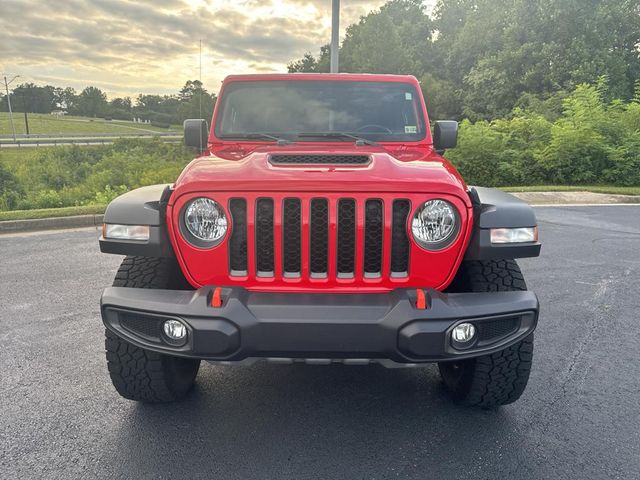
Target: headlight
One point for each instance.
(204, 222)
(435, 225)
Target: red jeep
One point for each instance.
(320, 224)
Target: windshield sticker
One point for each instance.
(410, 129)
(408, 96)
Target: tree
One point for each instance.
(195, 102)
(121, 103)
(148, 102)
(29, 97)
(496, 51)
(91, 102)
(120, 108)
(404, 46)
(479, 58)
(68, 99)
(307, 64)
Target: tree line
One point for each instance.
(192, 101)
(478, 59)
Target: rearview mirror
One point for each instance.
(445, 135)
(196, 133)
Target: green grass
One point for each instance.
(68, 125)
(576, 188)
(12, 156)
(51, 212)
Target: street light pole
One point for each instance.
(6, 86)
(335, 34)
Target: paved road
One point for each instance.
(579, 418)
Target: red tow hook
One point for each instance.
(216, 298)
(421, 301)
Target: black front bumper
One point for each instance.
(319, 326)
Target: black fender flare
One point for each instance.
(494, 208)
(142, 206)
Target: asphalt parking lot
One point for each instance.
(579, 418)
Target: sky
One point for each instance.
(152, 46)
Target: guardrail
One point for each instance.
(90, 135)
(81, 140)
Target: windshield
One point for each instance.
(296, 109)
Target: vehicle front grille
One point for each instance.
(320, 159)
(328, 237)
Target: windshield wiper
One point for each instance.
(254, 135)
(359, 140)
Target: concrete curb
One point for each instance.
(54, 223)
(575, 198)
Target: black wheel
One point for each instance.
(501, 377)
(139, 374)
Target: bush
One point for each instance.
(70, 176)
(591, 142)
(10, 190)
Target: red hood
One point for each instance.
(400, 170)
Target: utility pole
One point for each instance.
(335, 34)
(6, 86)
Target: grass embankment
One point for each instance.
(44, 124)
(73, 176)
(99, 209)
(61, 181)
(51, 212)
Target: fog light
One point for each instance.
(175, 331)
(463, 333)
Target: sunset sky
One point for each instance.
(151, 46)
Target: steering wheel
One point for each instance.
(379, 127)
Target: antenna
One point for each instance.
(200, 78)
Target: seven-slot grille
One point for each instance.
(321, 237)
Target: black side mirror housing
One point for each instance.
(445, 135)
(196, 133)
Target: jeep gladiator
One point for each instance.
(320, 223)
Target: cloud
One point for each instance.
(127, 46)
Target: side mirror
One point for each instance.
(445, 135)
(196, 133)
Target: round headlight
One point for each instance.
(206, 221)
(435, 224)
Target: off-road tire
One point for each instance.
(136, 373)
(501, 377)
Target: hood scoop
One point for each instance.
(319, 159)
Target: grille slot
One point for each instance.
(264, 237)
(346, 237)
(291, 239)
(238, 240)
(319, 237)
(399, 239)
(320, 159)
(373, 238)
